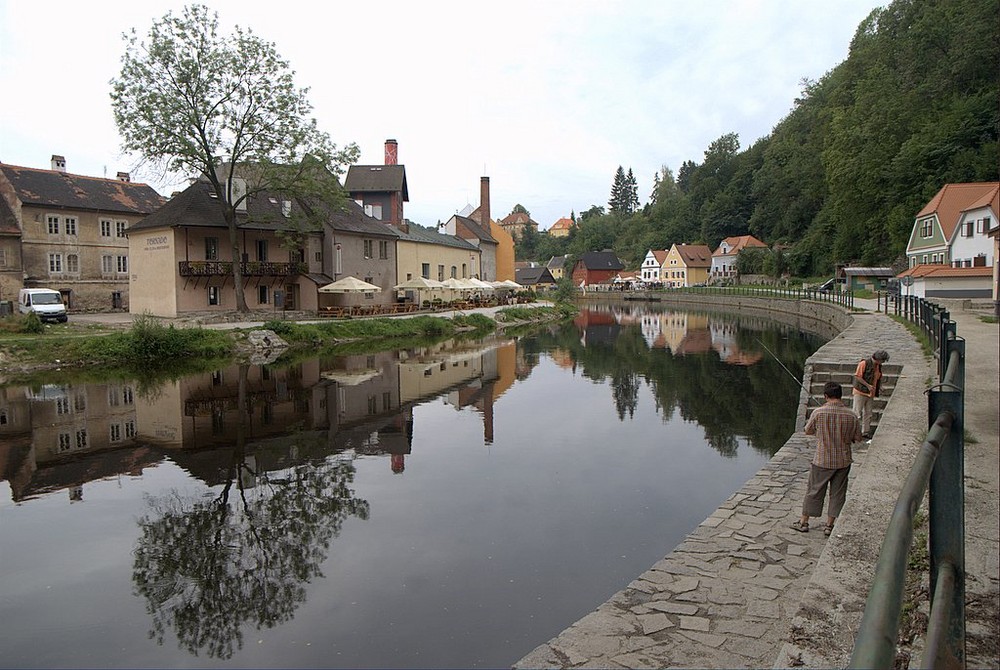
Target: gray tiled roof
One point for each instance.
(377, 179)
(72, 191)
(197, 206)
(531, 276)
(601, 260)
(476, 229)
(418, 233)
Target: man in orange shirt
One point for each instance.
(867, 385)
(836, 428)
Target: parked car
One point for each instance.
(45, 302)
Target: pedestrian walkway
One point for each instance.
(744, 589)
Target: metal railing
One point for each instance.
(843, 298)
(933, 320)
(940, 467)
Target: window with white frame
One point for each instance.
(81, 439)
(383, 249)
(983, 225)
(106, 227)
(122, 263)
(55, 263)
(120, 228)
(72, 263)
(369, 250)
(129, 429)
(52, 224)
(65, 443)
(926, 228)
(70, 222)
(968, 228)
(213, 295)
(107, 264)
(128, 395)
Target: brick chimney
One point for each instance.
(391, 152)
(124, 176)
(58, 163)
(484, 203)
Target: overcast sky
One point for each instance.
(545, 97)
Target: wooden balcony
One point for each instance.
(247, 269)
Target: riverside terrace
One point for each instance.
(745, 590)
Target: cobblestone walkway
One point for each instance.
(726, 596)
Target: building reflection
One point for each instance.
(61, 437)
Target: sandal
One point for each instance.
(828, 530)
(801, 527)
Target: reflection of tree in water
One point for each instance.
(625, 387)
(754, 401)
(207, 567)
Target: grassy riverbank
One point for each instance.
(152, 347)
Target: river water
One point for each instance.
(448, 505)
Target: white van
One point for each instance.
(44, 302)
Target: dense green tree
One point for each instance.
(224, 108)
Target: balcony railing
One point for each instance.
(247, 269)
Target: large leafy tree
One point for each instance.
(224, 108)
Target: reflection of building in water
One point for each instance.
(59, 437)
(470, 374)
(724, 341)
(597, 325)
(680, 332)
(241, 420)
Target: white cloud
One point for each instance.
(549, 96)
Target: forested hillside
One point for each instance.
(916, 105)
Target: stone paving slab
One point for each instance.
(726, 596)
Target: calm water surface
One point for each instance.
(447, 506)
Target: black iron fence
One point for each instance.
(940, 467)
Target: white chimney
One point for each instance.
(124, 176)
(58, 163)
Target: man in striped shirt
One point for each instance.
(836, 428)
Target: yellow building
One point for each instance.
(687, 265)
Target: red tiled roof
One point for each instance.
(930, 270)
(953, 199)
(562, 224)
(660, 255)
(737, 244)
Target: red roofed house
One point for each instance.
(953, 228)
(945, 281)
(515, 223)
(724, 258)
(561, 227)
(73, 232)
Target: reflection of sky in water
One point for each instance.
(472, 556)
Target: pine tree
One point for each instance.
(631, 193)
(618, 202)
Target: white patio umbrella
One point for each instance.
(418, 284)
(349, 285)
(481, 285)
(510, 283)
(459, 284)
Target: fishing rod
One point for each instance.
(800, 384)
